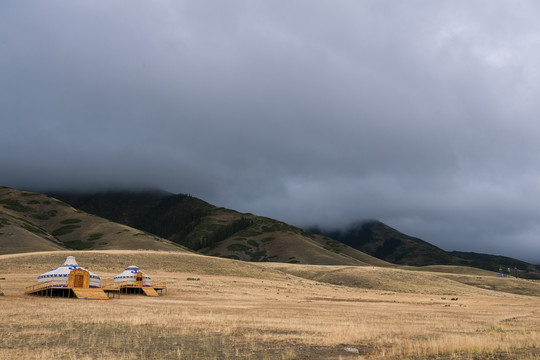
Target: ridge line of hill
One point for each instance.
(380, 240)
(178, 222)
(217, 231)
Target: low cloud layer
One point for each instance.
(422, 115)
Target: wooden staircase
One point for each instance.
(149, 291)
(90, 293)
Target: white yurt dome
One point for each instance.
(129, 275)
(60, 274)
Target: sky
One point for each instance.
(422, 114)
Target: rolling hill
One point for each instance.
(160, 220)
(380, 240)
(35, 222)
(31, 222)
(217, 231)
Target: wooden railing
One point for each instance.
(129, 283)
(38, 287)
(109, 285)
(160, 285)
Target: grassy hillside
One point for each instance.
(450, 269)
(215, 231)
(381, 241)
(35, 222)
(265, 239)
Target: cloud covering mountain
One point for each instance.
(423, 115)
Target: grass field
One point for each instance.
(241, 310)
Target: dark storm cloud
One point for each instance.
(421, 114)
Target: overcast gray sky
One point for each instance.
(422, 114)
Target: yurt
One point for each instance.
(134, 281)
(70, 275)
(68, 280)
(132, 276)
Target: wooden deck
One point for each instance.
(132, 288)
(107, 291)
(38, 287)
(53, 289)
(160, 288)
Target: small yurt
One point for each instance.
(70, 275)
(132, 276)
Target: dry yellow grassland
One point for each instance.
(257, 312)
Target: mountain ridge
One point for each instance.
(186, 222)
(217, 231)
(380, 240)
